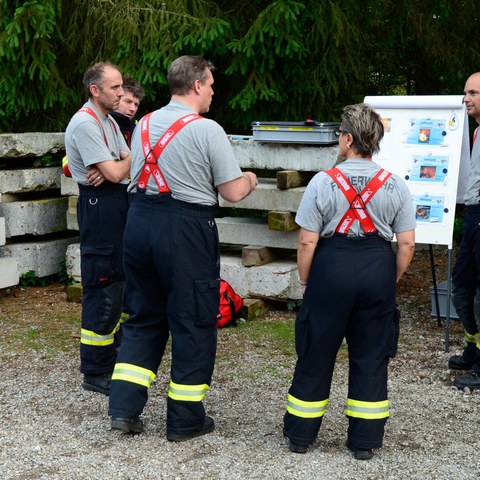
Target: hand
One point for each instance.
(252, 178)
(95, 177)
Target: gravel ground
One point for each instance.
(52, 429)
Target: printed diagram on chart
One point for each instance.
(428, 169)
(427, 131)
(429, 209)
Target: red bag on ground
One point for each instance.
(230, 305)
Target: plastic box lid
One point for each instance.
(296, 132)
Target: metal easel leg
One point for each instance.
(449, 291)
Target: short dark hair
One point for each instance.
(94, 75)
(132, 86)
(184, 71)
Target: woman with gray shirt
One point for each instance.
(348, 272)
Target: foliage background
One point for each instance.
(276, 60)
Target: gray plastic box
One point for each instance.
(296, 132)
(442, 301)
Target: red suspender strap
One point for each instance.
(475, 135)
(153, 154)
(94, 115)
(359, 201)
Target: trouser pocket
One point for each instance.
(301, 331)
(392, 346)
(207, 298)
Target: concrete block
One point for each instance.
(72, 261)
(32, 144)
(35, 217)
(68, 186)
(3, 233)
(254, 231)
(29, 180)
(268, 197)
(44, 257)
(9, 274)
(251, 154)
(277, 280)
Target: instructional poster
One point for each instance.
(426, 143)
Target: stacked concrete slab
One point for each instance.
(277, 279)
(33, 225)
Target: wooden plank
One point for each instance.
(287, 179)
(281, 221)
(253, 256)
(253, 308)
(72, 203)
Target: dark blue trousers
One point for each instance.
(172, 265)
(102, 214)
(466, 282)
(350, 294)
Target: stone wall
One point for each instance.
(33, 225)
(39, 230)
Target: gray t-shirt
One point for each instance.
(472, 193)
(195, 161)
(85, 142)
(324, 204)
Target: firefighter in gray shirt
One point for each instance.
(348, 270)
(172, 260)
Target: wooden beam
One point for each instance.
(281, 221)
(253, 256)
(291, 179)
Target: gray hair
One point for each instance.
(184, 71)
(94, 75)
(366, 127)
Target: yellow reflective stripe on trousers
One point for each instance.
(88, 337)
(367, 410)
(303, 409)
(133, 374)
(471, 338)
(187, 393)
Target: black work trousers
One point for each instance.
(350, 294)
(102, 214)
(172, 266)
(466, 283)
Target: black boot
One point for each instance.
(464, 361)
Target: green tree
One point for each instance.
(276, 60)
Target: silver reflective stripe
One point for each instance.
(298, 408)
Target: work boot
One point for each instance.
(464, 361)
(360, 453)
(127, 425)
(470, 380)
(295, 448)
(207, 427)
(97, 383)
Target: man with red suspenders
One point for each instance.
(181, 162)
(100, 161)
(347, 268)
(466, 271)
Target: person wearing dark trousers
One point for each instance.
(348, 272)
(99, 161)
(181, 162)
(466, 271)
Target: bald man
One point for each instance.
(466, 272)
